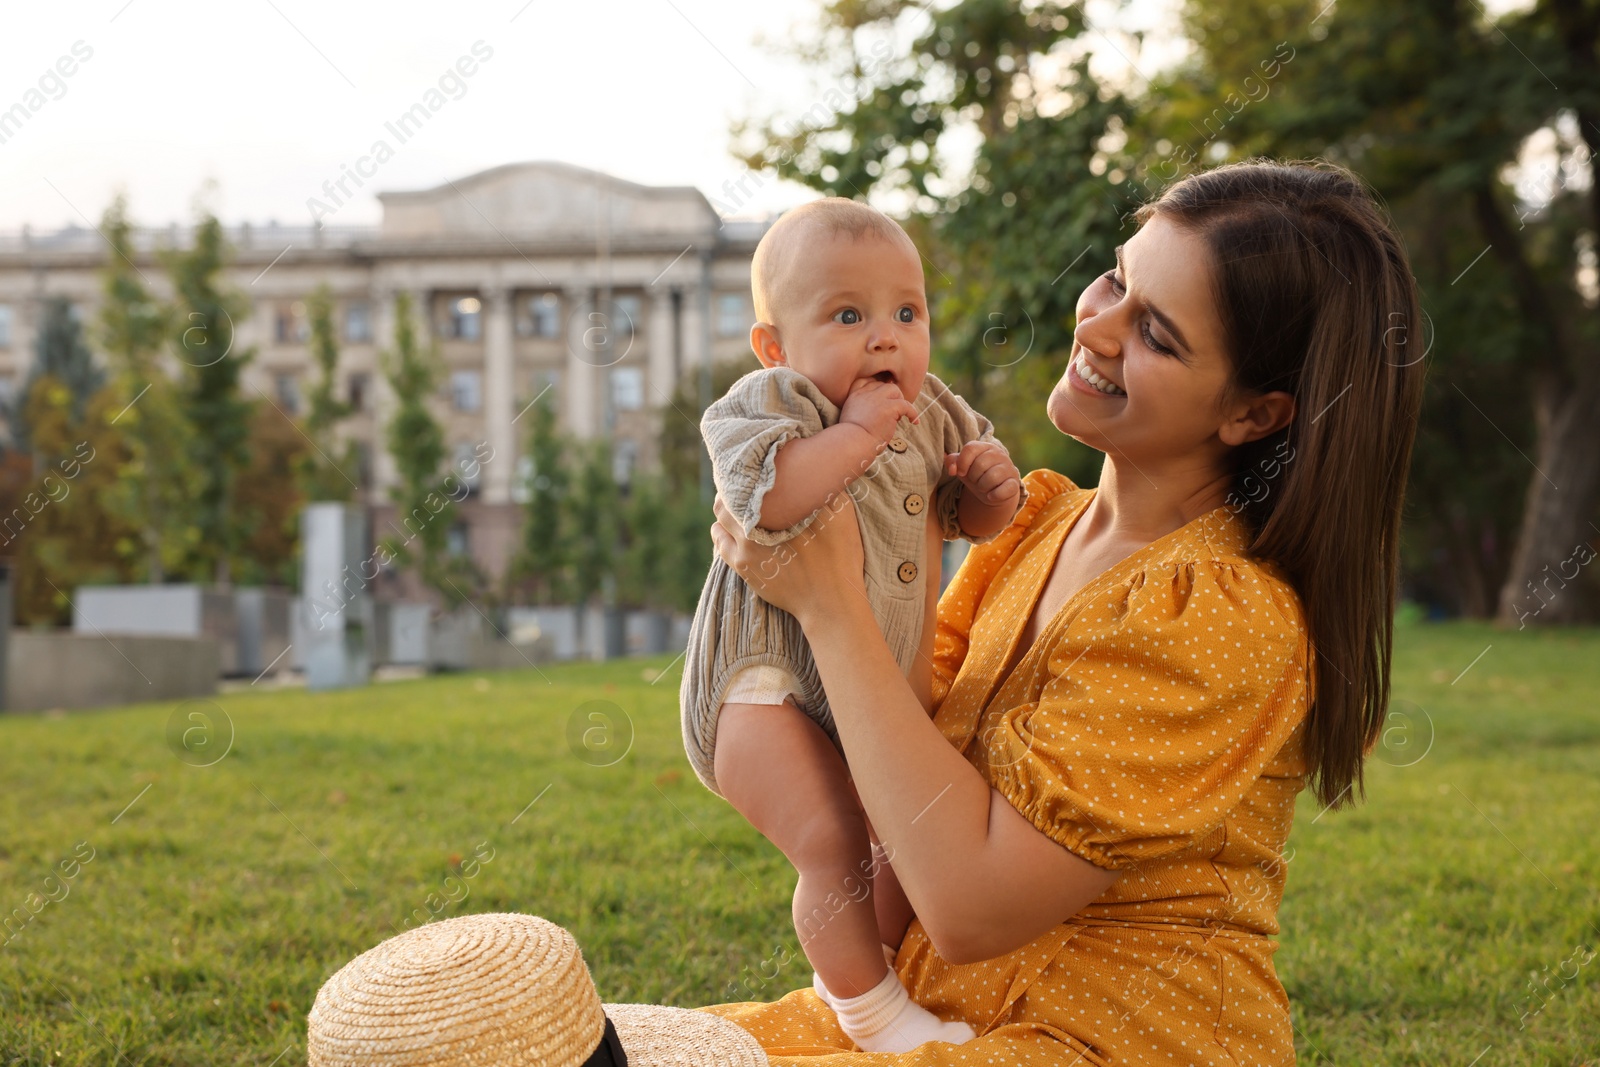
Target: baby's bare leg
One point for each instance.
(889, 903)
(782, 773)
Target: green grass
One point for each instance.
(218, 902)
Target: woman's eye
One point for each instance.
(847, 317)
(1111, 276)
(1149, 339)
(907, 314)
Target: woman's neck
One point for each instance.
(1144, 505)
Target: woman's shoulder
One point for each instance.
(1050, 491)
(1207, 571)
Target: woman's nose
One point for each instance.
(1094, 332)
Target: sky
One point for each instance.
(250, 106)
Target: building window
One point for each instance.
(463, 318)
(457, 543)
(467, 465)
(466, 390)
(359, 383)
(288, 391)
(625, 314)
(627, 388)
(733, 317)
(289, 325)
(541, 316)
(624, 457)
(358, 322)
(5, 325)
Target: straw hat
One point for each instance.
(501, 990)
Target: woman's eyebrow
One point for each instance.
(1155, 312)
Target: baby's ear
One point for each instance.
(764, 343)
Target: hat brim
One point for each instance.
(656, 1036)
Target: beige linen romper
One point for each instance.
(734, 630)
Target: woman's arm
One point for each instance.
(982, 878)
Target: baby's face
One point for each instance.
(854, 308)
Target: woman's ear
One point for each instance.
(764, 343)
(1253, 418)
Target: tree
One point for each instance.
(66, 533)
(61, 354)
(594, 511)
(540, 568)
(1442, 108)
(270, 500)
(204, 343)
(424, 506)
(160, 482)
(321, 477)
(1008, 246)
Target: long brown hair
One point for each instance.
(1317, 299)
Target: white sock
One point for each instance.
(886, 1019)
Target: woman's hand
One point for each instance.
(806, 576)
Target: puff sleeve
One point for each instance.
(743, 432)
(960, 425)
(1166, 701)
(958, 605)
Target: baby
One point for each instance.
(844, 403)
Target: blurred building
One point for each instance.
(533, 279)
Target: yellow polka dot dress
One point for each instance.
(1153, 728)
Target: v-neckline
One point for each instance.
(1043, 566)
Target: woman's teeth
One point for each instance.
(1095, 380)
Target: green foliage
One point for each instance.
(540, 567)
(59, 353)
(424, 506)
(1433, 105)
(66, 528)
(159, 485)
(270, 501)
(203, 336)
(880, 120)
(322, 477)
(594, 510)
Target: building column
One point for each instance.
(659, 381)
(583, 376)
(499, 395)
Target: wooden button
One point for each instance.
(897, 444)
(914, 504)
(908, 572)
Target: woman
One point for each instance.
(1126, 700)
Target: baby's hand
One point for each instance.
(876, 407)
(985, 468)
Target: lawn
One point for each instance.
(204, 867)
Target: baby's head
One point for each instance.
(839, 297)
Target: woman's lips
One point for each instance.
(1076, 371)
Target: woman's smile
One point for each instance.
(1085, 379)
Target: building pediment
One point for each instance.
(546, 202)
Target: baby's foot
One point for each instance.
(886, 1019)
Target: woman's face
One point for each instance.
(1149, 332)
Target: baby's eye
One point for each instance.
(847, 316)
(907, 314)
